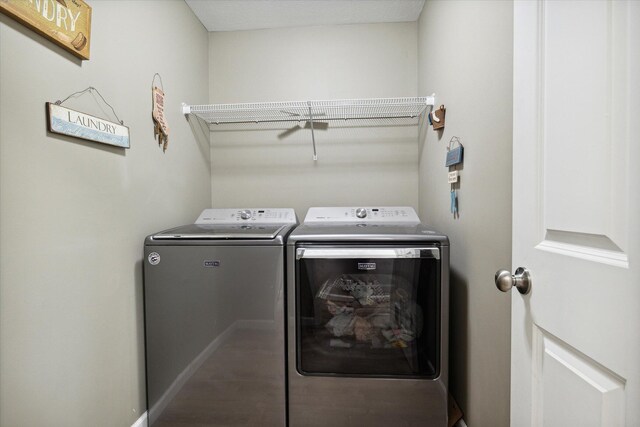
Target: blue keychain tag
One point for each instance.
(453, 202)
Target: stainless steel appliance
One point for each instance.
(368, 293)
(214, 320)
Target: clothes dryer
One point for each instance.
(368, 295)
(214, 319)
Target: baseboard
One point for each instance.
(141, 422)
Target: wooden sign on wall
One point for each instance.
(73, 123)
(65, 22)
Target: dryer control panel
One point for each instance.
(382, 214)
(243, 215)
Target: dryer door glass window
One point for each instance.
(368, 311)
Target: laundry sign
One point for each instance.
(65, 22)
(73, 123)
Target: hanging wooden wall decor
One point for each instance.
(65, 22)
(65, 121)
(160, 126)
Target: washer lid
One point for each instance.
(221, 232)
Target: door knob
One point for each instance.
(521, 280)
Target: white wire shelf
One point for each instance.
(292, 111)
(312, 111)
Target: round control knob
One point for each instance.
(361, 212)
(245, 214)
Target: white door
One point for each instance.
(576, 227)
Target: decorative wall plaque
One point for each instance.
(73, 123)
(437, 117)
(64, 22)
(160, 126)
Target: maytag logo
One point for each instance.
(211, 263)
(366, 266)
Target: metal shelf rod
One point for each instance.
(304, 119)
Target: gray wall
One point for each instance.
(73, 214)
(465, 56)
(359, 163)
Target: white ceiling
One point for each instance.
(233, 15)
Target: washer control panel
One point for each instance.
(383, 214)
(247, 215)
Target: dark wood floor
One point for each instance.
(241, 384)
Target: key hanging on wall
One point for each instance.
(454, 202)
(454, 158)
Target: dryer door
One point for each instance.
(370, 311)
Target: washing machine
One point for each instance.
(215, 321)
(367, 316)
